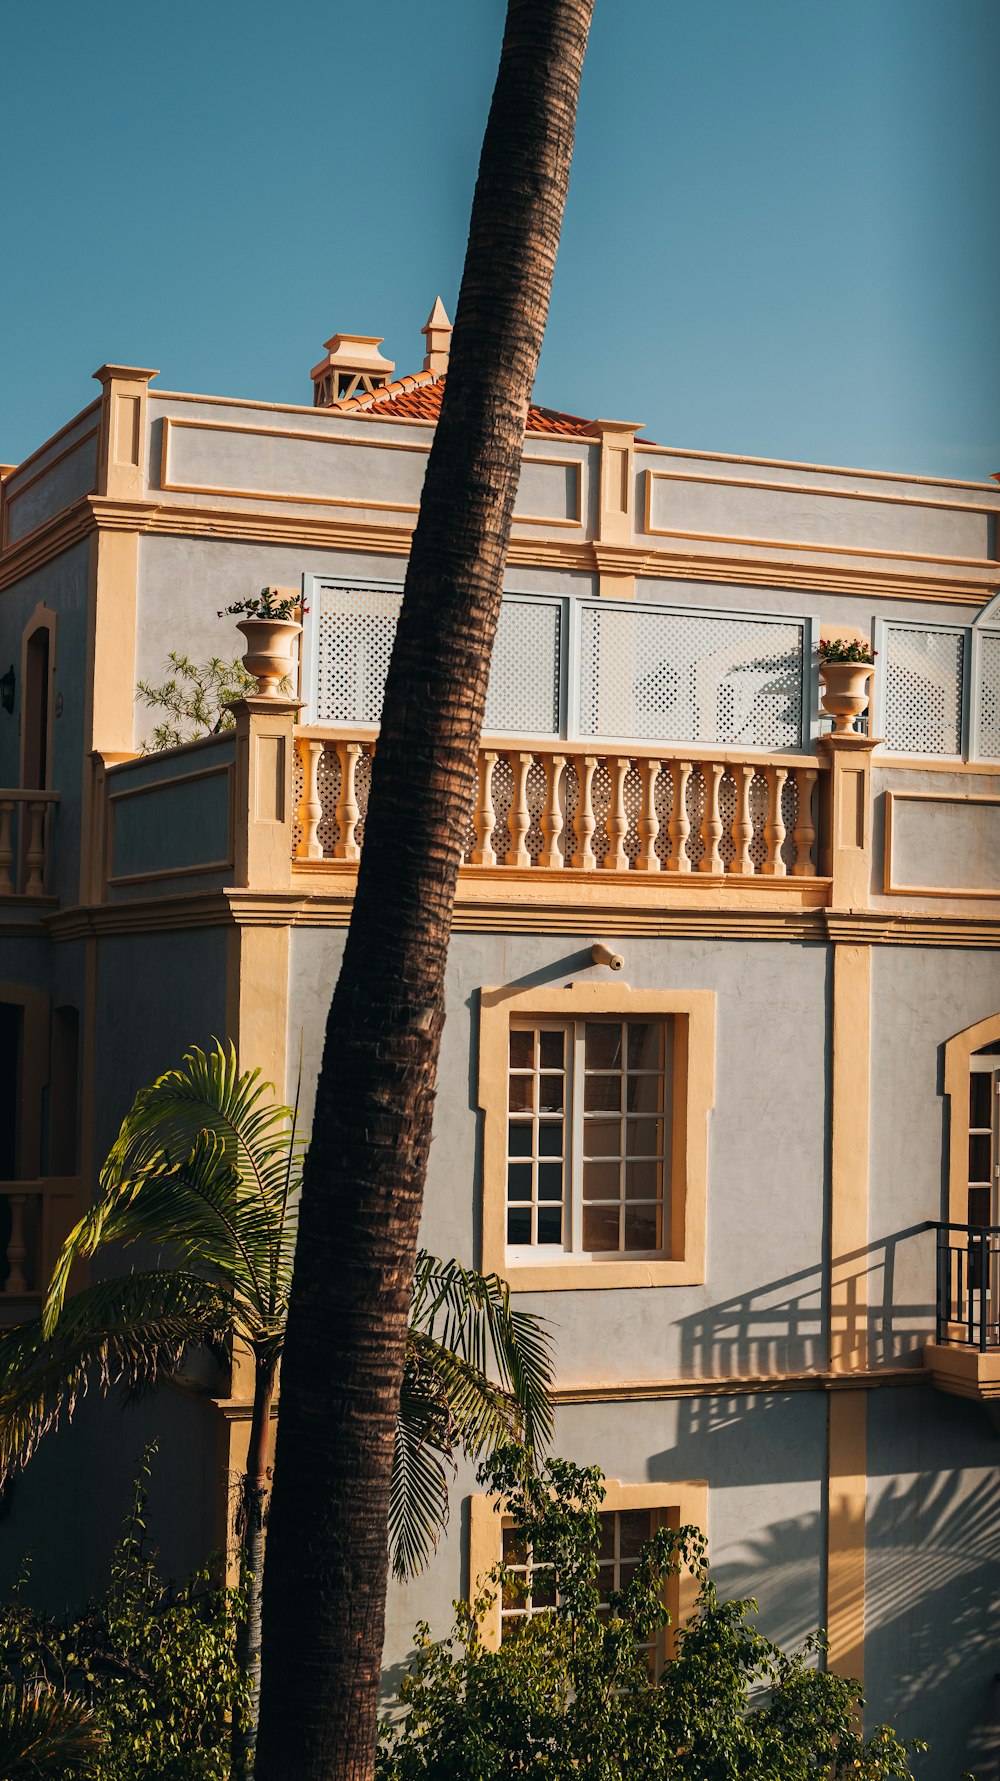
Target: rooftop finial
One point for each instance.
(437, 333)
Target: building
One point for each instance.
(738, 1173)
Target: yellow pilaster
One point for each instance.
(615, 515)
(850, 1072)
(845, 1558)
(121, 472)
(850, 818)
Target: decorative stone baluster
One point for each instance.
(805, 831)
(583, 858)
(680, 822)
(648, 859)
(6, 850)
(483, 853)
(743, 826)
(552, 815)
(35, 851)
(347, 805)
(711, 859)
(774, 833)
(17, 1248)
(311, 808)
(520, 815)
(616, 859)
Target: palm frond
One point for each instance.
(418, 1495)
(205, 1163)
(470, 1316)
(129, 1331)
(43, 1732)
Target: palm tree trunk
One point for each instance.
(251, 1520)
(325, 1582)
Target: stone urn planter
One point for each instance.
(845, 692)
(270, 651)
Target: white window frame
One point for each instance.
(574, 1028)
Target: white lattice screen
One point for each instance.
(523, 695)
(691, 677)
(923, 682)
(356, 626)
(989, 696)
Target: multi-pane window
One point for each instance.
(531, 1588)
(588, 1136)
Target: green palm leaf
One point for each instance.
(130, 1331)
(461, 1327)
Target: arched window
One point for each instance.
(972, 1084)
(35, 710)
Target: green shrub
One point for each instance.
(148, 1669)
(571, 1697)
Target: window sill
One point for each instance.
(583, 1276)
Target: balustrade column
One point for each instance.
(6, 848)
(743, 826)
(805, 830)
(649, 823)
(552, 816)
(311, 808)
(680, 822)
(347, 805)
(616, 859)
(17, 1248)
(711, 860)
(35, 852)
(586, 822)
(520, 816)
(483, 853)
(774, 833)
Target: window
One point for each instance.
(630, 1515)
(588, 1136)
(532, 1588)
(595, 1137)
(972, 1083)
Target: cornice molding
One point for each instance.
(646, 1390)
(326, 532)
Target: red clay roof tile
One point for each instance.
(419, 398)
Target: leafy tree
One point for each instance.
(208, 1167)
(325, 1585)
(571, 1697)
(140, 1686)
(193, 698)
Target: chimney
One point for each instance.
(352, 364)
(437, 333)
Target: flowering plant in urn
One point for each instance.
(270, 631)
(846, 665)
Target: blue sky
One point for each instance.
(781, 236)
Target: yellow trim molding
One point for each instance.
(679, 1505)
(693, 1013)
(851, 1073)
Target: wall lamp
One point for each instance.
(7, 689)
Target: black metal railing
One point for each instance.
(968, 1284)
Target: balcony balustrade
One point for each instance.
(25, 842)
(35, 1218)
(968, 1286)
(553, 807)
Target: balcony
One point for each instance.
(35, 1218)
(709, 814)
(26, 823)
(964, 1357)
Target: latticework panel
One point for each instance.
(523, 694)
(923, 679)
(356, 630)
(691, 677)
(989, 696)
